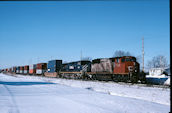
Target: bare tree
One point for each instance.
(159, 61)
(139, 58)
(120, 53)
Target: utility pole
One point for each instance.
(161, 65)
(81, 55)
(143, 53)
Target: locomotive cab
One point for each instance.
(126, 68)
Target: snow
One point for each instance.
(31, 94)
(167, 82)
(158, 76)
(153, 94)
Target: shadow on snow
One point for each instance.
(24, 83)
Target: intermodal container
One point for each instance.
(32, 69)
(54, 66)
(10, 70)
(41, 68)
(14, 69)
(18, 69)
(26, 69)
(21, 69)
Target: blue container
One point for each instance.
(54, 66)
(18, 69)
(34, 66)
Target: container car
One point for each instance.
(18, 70)
(41, 68)
(26, 69)
(53, 68)
(14, 69)
(32, 69)
(21, 69)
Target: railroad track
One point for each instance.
(121, 83)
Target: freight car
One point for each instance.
(53, 68)
(21, 69)
(32, 69)
(18, 70)
(41, 68)
(26, 69)
(14, 69)
(1, 70)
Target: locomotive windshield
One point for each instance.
(128, 59)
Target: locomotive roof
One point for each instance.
(41, 63)
(114, 57)
(77, 61)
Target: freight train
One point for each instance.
(118, 69)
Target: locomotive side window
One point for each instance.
(127, 59)
(117, 60)
(133, 59)
(123, 60)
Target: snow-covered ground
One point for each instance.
(30, 94)
(153, 94)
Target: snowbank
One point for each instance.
(152, 94)
(30, 94)
(167, 82)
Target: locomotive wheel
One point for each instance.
(134, 79)
(114, 78)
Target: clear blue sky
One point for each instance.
(32, 32)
